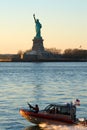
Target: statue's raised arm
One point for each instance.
(34, 18)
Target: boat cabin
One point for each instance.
(64, 109)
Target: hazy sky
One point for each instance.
(64, 24)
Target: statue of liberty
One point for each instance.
(38, 27)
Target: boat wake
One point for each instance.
(61, 127)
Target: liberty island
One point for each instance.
(38, 53)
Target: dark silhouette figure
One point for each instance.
(36, 108)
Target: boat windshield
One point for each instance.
(50, 109)
(60, 109)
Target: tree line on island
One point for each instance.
(51, 54)
(66, 55)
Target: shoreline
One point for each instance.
(9, 60)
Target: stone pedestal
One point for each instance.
(38, 45)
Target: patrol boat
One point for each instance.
(65, 113)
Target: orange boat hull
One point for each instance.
(42, 117)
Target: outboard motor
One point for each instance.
(83, 121)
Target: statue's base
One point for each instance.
(38, 45)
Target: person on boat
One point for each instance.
(36, 108)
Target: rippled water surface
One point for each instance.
(40, 83)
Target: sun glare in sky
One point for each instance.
(64, 24)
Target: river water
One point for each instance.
(40, 83)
